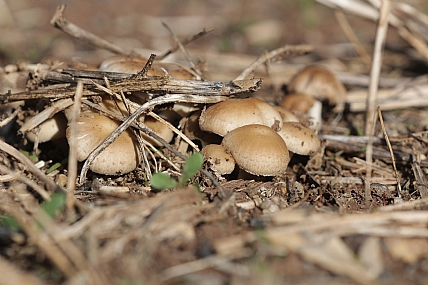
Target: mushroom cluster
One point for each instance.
(256, 136)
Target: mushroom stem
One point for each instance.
(315, 115)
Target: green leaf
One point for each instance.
(53, 167)
(9, 222)
(162, 181)
(55, 205)
(191, 167)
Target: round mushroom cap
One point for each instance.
(160, 129)
(286, 115)
(298, 102)
(220, 159)
(319, 82)
(51, 129)
(225, 116)
(258, 150)
(299, 139)
(121, 156)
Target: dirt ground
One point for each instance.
(332, 218)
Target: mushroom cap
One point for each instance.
(51, 129)
(192, 130)
(299, 139)
(298, 102)
(160, 129)
(225, 116)
(121, 156)
(286, 115)
(220, 159)
(319, 82)
(257, 149)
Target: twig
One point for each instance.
(143, 73)
(50, 184)
(185, 42)
(10, 117)
(297, 49)
(60, 22)
(12, 275)
(373, 87)
(385, 134)
(72, 156)
(184, 51)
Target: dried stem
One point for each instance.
(297, 49)
(72, 156)
(373, 87)
(60, 22)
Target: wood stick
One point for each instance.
(60, 22)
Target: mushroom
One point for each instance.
(257, 149)
(121, 156)
(286, 115)
(160, 129)
(51, 129)
(225, 116)
(299, 139)
(298, 102)
(219, 159)
(320, 83)
(192, 130)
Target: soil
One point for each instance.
(313, 224)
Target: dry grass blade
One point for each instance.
(382, 28)
(50, 184)
(297, 49)
(72, 156)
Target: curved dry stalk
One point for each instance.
(272, 54)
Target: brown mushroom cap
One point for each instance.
(160, 129)
(220, 159)
(225, 116)
(299, 139)
(257, 149)
(319, 82)
(121, 156)
(298, 102)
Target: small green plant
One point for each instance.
(191, 167)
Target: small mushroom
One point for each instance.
(258, 150)
(121, 156)
(51, 129)
(298, 102)
(319, 82)
(160, 129)
(286, 115)
(225, 116)
(299, 139)
(219, 158)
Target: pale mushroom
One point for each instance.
(299, 139)
(219, 159)
(121, 156)
(225, 116)
(160, 129)
(51, 129)
(258, 150)
(286, 115)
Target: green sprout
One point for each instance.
(191, 167)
